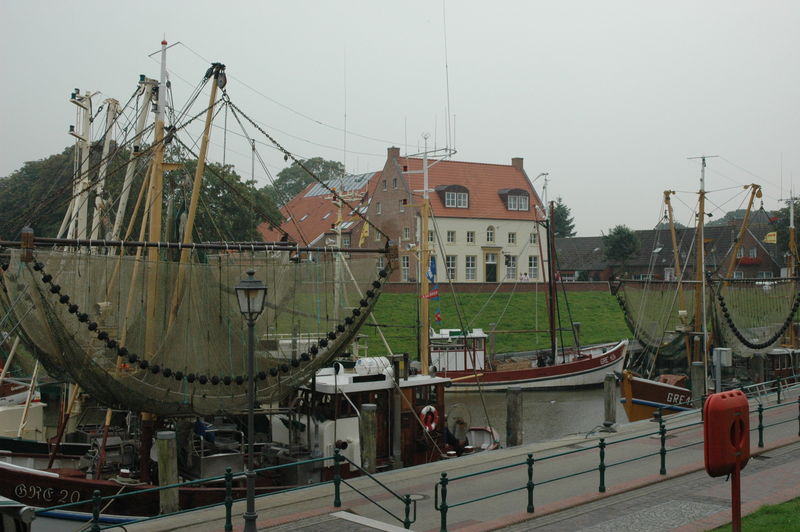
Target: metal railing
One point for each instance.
(443, 506)
(98, 502)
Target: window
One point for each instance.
(345, 241)
(459, 200)
(450, 263)
(669, 274)
(430, 236)
(470, 237)
(764, 275)
(753, 253)
(517, 203)
(378, 208)
(533, 267)
(394, 182)
(469, 267)
(738, 275)
(326, 215)
(740, 253)
(642, 276)
(404, 266)
(377, 236)
(406, 233)
(303, 218)
(533, 238)
(512, 238)
(511, 267)
(402, 205)
(490, 234)
(384, 184)
(380, 263)
(451, 237)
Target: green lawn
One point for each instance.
(777, 518)
(600, 317)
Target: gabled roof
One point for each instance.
(580, 253)
(484, 183)
(311, 213)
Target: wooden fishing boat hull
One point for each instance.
(582, 371)
(42, 489)
(642, 397)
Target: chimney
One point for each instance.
(516, 162)
(393, 153)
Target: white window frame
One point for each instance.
(451, 237)
(451, 266)
(406, 233)
(490, 234)
(401, 205)
(378, 207)
(470, 267)
(738, 274)
(533, 238)
(456, 200)
(511, 266)
(470, 237)
(533, 266)
(753, 253)
(430, 235)
(512, 239)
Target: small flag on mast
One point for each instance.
(771, 238)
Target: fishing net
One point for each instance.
(79, 311)
(753, 314)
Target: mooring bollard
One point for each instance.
(337, 480)
(602, 466)
(514, 416)
(662, 431)
(228, 499)
(530, 483)
(96, 504)
(407, 520)
(441, 507)
(610, 402)
(760, 425)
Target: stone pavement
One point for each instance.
(637, 496)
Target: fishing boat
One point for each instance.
(461, 353)
(679, 322)
(148, 321)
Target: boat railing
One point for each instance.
(528, 481)
(99, 502)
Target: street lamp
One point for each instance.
(251, 294)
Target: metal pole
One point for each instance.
(761, 425)
(228, 499)
(662, 431)
(530, 483)
(602, 467)
(250, 515)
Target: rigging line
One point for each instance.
(745, 170)
(284, 106)
(300, 163)
(258, 155)
(233, 189)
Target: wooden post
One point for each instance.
(514, 416)
(166, 446)
(368, 427)
(698, 377)
(610, 404)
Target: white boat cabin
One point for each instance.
(452, 350)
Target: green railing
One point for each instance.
(98, 502)
(443, 506)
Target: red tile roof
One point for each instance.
(311, 215)
(483, 182)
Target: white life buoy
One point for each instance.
(429, 417)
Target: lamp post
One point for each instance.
(251, 294)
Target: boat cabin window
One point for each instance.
(426, 395)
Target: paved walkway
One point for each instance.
(637, 497)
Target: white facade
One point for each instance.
(488, 250)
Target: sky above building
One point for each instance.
(609, 98)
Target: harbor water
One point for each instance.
(546, 414)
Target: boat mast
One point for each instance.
(677, 262)
(155, 199)
(424, 260)
(551, 280)
(112, 106)
(792, 263)
(755, 192)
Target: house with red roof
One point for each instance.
(484, 218)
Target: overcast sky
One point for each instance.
(608, 97)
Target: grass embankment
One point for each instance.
(600, 317)
(775, 518)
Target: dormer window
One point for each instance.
(454, 196)
(515, 199)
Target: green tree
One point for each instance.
(620, 244)
(564, 223)
(293, 179)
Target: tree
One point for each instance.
(620, 244)
(293, 179)
(564, 223)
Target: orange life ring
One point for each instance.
(429, 417)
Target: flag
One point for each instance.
(433, 294)
(438, 315)
(364, 234)
(431, 273)
(771, 238)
